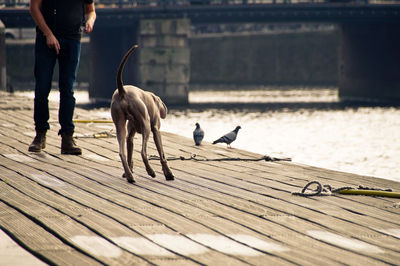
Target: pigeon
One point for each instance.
(198, 134)
(229, 137)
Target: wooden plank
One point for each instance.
(64, 190)
(142, 196)
(37, 240)
(12, 254)
(63, 226)
(215, 212)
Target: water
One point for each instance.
(310, 126)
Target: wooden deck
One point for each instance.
(78, 210)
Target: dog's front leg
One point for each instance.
(157, 140)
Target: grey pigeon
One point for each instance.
(198, 134)
(229, 137)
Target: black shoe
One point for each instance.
(39, 142)
(68, 145)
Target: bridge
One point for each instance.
(204, 11)
(368, 54)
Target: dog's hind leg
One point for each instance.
(157, 140)
(145, 139)
(129, 144)
(121, 134)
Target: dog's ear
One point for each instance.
(161, 106)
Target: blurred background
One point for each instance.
(278, 80)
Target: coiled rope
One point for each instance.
(326, 190)
(321, 190)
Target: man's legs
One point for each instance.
(68, 62)
(45, 59)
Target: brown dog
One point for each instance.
(142, 110)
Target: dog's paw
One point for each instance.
(167, 173)
(169, 177)
(151, 172)
(131, 180)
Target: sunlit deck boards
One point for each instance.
(78, 210)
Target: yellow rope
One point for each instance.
(92, 121)
(370, 193)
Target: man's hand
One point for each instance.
(52, 42)
(90, 16)
(89, 25)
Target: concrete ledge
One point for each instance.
(165, 58)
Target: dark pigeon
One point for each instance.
(198, 134)
(229, 137)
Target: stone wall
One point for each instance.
(305, 59)
(369, 62)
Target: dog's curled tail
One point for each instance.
(120, 84)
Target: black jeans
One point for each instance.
(68, 62)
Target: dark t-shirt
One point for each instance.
(65, 17)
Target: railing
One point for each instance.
(133, 3)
